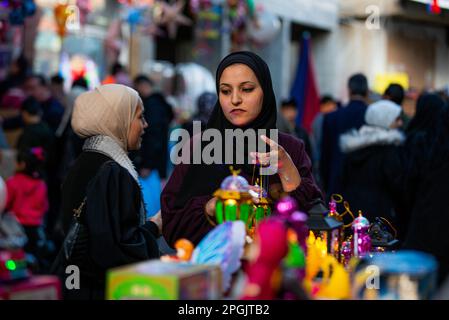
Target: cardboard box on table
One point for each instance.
(160, 280)
(33, 288)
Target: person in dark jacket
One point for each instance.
(371, 170)
(153, 154)
(336, 123)
(426, 190)
(36, 133)
(37, 87)
(289, 110)
(52, 110)
(395, 92)
(103, 185)
(205, 105)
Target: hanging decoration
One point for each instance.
(84, 7)
(171, 17)
(19, 10)
(263, 28)
(208, 25)
(61, 15)
(238, 13)
(434, 7)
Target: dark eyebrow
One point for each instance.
(243, 83)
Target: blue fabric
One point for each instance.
(298, 90)
(151, 190)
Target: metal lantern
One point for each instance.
(326, 227)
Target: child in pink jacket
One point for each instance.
(27, 195)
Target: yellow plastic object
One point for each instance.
(336, 282)
(316, 251)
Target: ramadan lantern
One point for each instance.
(234, 201)
(326, 227)
(361, 238)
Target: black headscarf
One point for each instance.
(267, 117)
(427, 134)
(203, 179)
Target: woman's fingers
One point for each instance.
(264, 158)
(268, 141)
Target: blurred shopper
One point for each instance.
(158, 113)
(336, 123)
(395, 92)
(36, 133)
(17, 74)
(118, 75)
(57, 89)
(372, 167)
(205, 104)
(327, 105)
(289, 111)
(424, 210)
(72, 143)
(27, 196)
(52, 110)
(102, 189)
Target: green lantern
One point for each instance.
(234, 202)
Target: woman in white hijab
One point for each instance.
(371, 169)
(102, 188)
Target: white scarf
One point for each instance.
(109, 147)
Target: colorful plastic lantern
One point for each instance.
(361, 240)
(235, 202)
(326, 227)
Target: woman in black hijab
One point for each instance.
(426, 188)
(245, 101)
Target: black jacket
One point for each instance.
(112, 217)
(153, 153)
(334, 125)
(371, 175)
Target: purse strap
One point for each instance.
(77, 212)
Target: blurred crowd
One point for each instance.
(386, 155)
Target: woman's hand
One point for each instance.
(279, 160)
(210, 207)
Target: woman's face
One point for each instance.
(136, 130)
(240, 94)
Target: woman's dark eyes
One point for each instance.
(226, 92)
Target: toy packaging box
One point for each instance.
(161, 280)
(34, 288)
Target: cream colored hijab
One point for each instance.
(107, 110)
